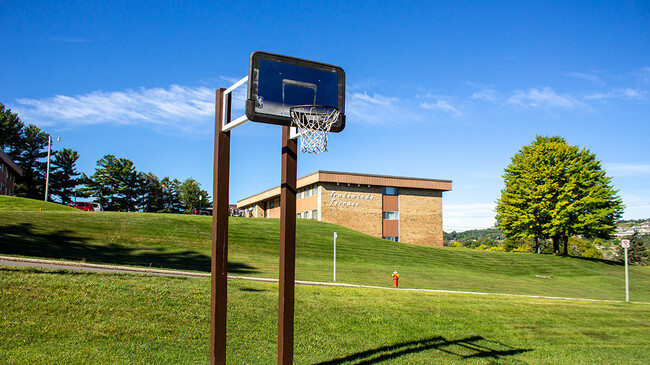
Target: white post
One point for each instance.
(47, 171)
(627, 283)
(335, 256)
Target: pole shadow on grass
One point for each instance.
(23, 239)
(466, 348)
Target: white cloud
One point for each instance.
(461, 217)
(545, 97)
(486, 94)
(440, 105)
(379, 109)
(627, 93)
(179, 107)
(587, 77)
(627, 169)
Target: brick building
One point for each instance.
(396, 208)
(8, 173)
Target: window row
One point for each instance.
(313, 214)
(307, 191)
(391, 238)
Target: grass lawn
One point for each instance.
(67, 317)
(183, 242)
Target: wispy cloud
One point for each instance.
(440, 105)
(545, 97)
(627, 169)
(585, 76)
(627, 93)
(380, 109)
(486, 94)
(180, 107)
(72, 40)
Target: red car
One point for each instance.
(82, 205)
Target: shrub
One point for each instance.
(522, 248)
(457, 244)
(482, 247)
(498, 249)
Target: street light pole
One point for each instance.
(47, 170)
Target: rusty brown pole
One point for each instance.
(219, 263)
(287, 247)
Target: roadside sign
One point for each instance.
(625, 243)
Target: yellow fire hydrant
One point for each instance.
(395, 279)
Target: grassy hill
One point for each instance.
(183, 242)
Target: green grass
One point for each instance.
(183, 242)
(59, 317)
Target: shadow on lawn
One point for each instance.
(21, 239)
(466, 348)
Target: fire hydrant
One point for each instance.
(395, 279)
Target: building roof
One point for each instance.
(10, 163)
(354, 178)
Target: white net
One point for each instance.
(314, 123)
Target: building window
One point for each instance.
(391, 238)
(390, 215)
(314, 214)
(314, 190)
(298, 215)
(386, 190)
(307, 215)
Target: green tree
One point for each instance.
(171, 193)
(152, 192)
(29, 156)
(553, 190)
(11, 132)
(64, 175)
(637, 254)
(114, 184)
(189, 194)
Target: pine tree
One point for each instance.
(63, 174)
(553, 190)
(29, 155)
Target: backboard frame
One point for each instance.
(253, 109)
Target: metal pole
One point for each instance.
(627, 286)
(287, 247)
(47, 171)
(219, 262)
(334, 256)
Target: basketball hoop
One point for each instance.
(314, 123)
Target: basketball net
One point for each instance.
(314, 123)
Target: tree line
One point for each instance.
(116, 184)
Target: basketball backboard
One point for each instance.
(276, 83)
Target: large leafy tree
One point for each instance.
(29, 154)
(553, 190)
(64, 175)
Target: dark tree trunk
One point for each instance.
(556, 245)
(565, 239)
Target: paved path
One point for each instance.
(67, 265)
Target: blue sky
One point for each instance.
(443, 90)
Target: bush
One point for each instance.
(498, 249)
(522, 248)
(482, 247)
(457, 244)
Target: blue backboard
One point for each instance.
(276, 83)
